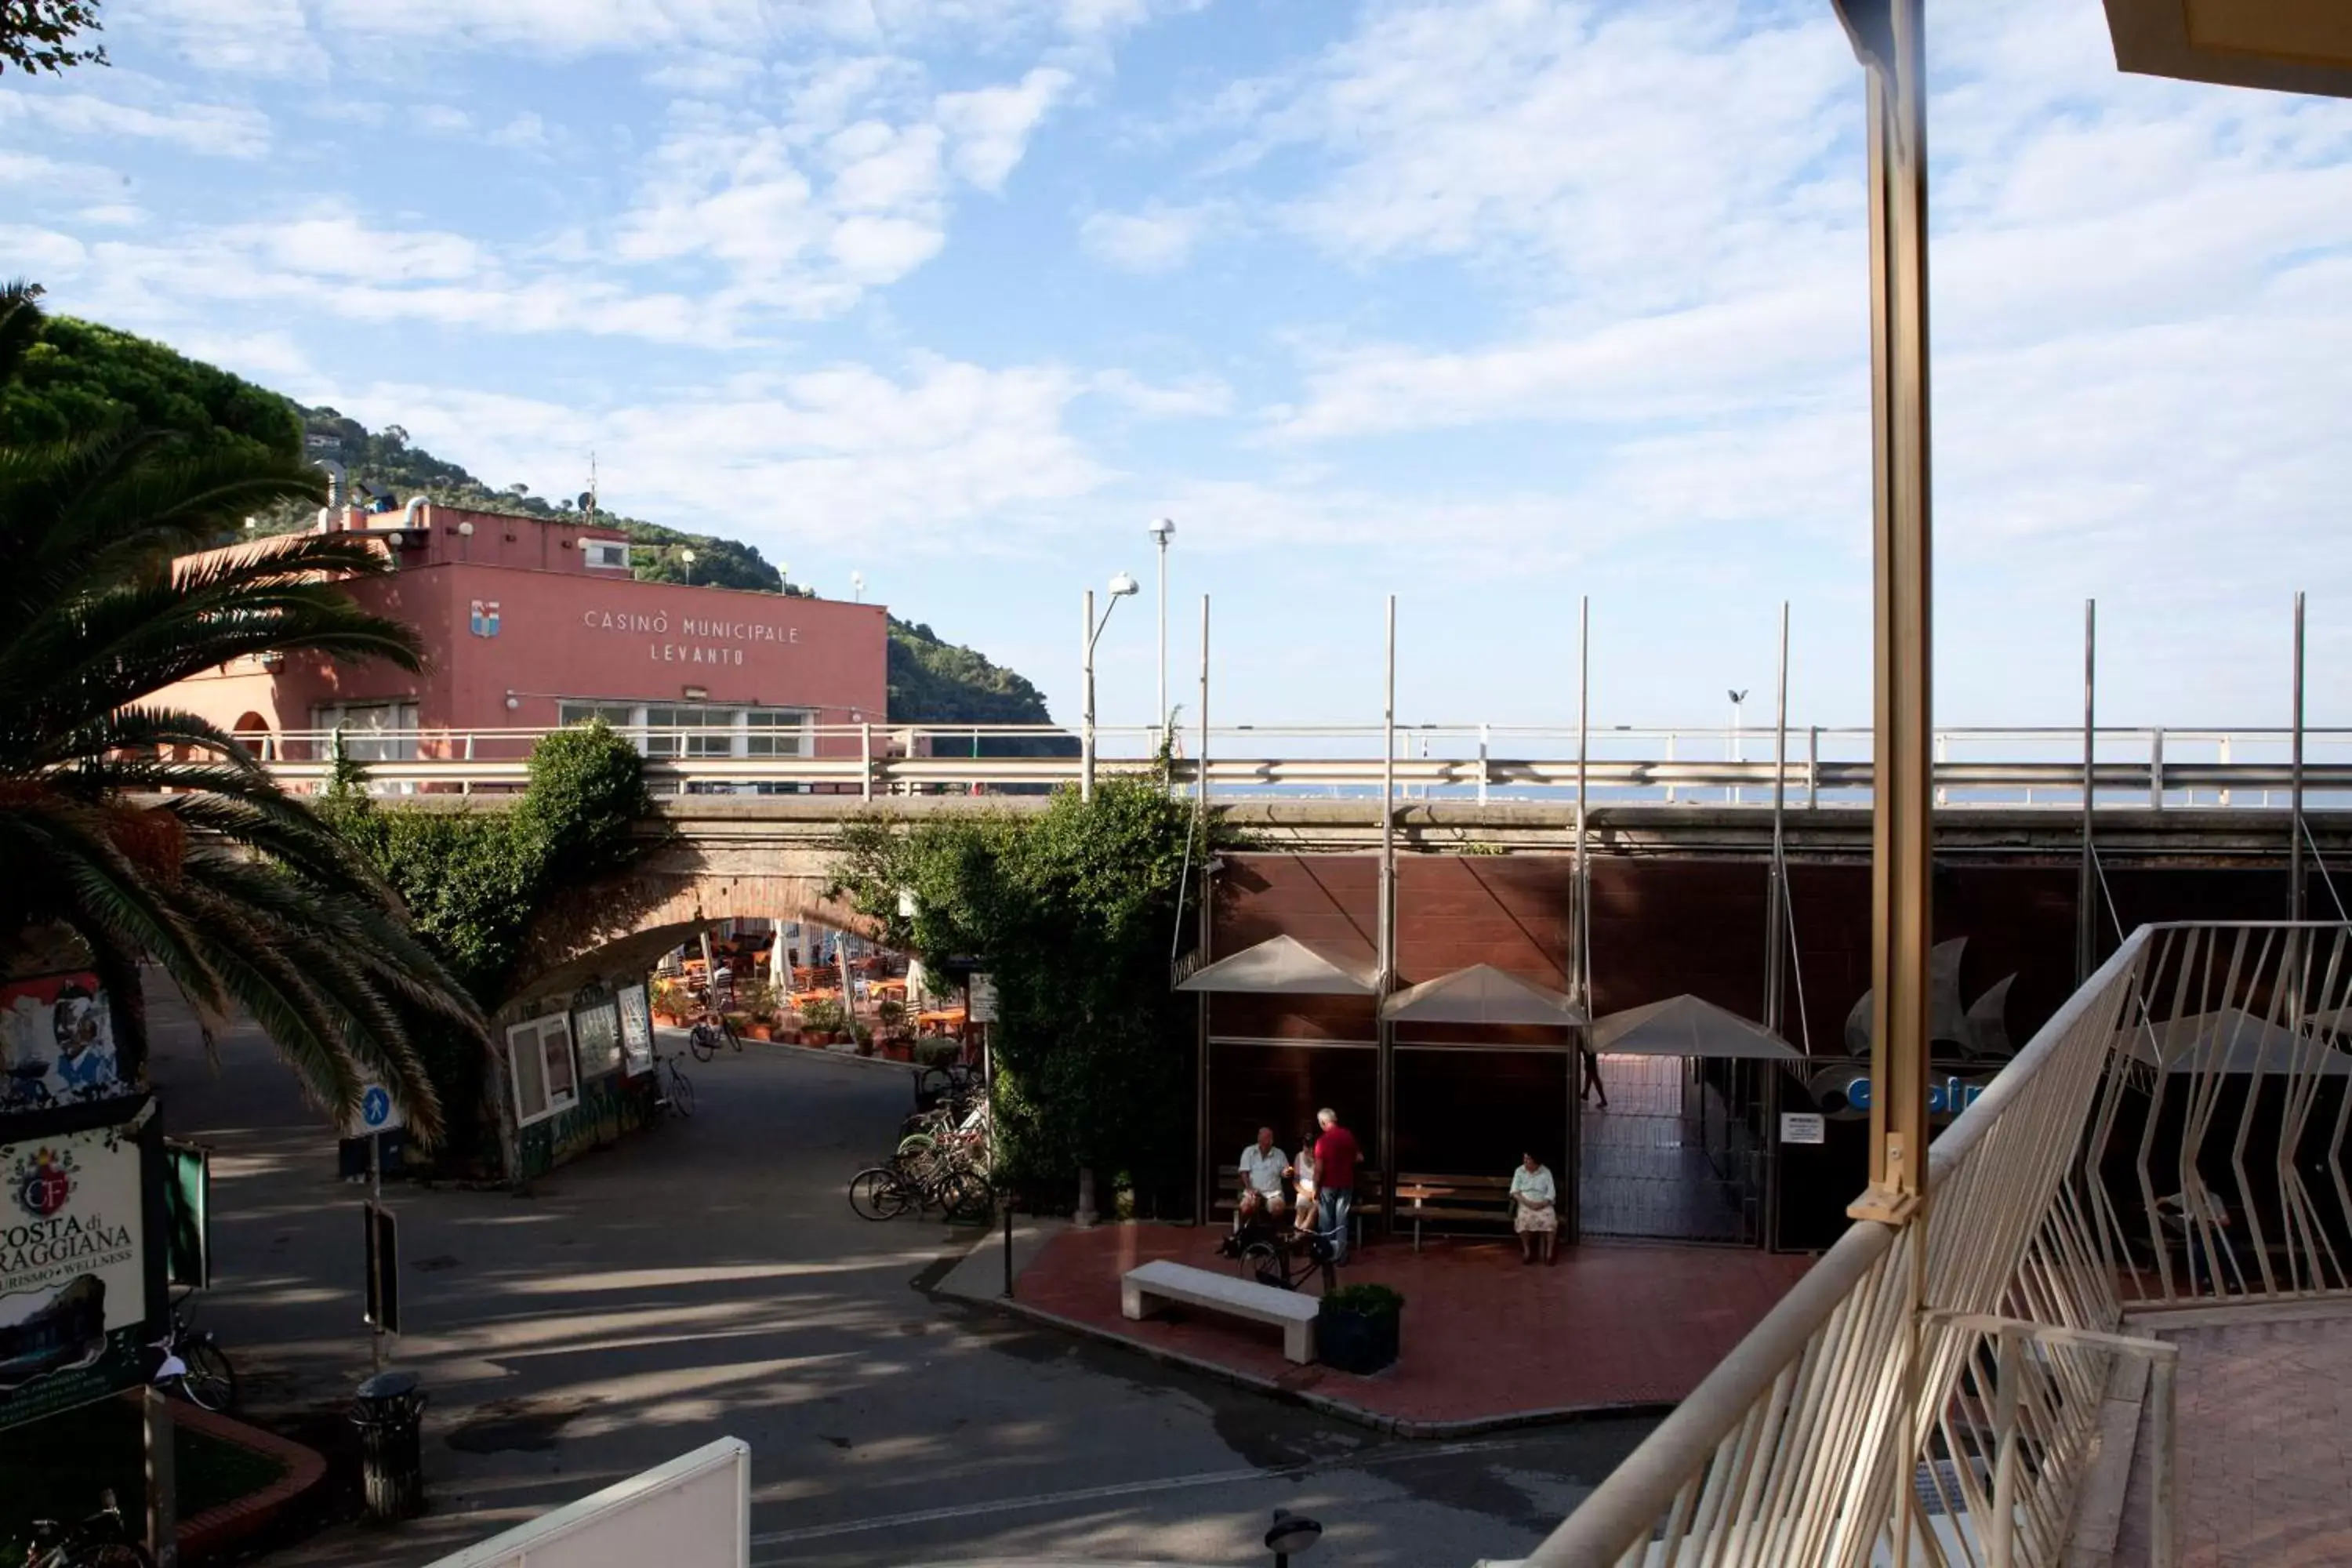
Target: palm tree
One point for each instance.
(150, 833)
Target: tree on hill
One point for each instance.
(80, 378)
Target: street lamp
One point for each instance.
(857, 587)
(784, 575)
(1737, 698)
(1161, 532)
(687, 556)
(1121, 586)
(1292, 1533)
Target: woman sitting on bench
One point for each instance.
(1302, 1170)
(1533, 1213)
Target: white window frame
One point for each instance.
(361, 725)
(536, 1035)
(605, 554)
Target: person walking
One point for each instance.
(1335, 1154)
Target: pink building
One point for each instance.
(532, 622)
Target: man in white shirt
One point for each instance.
(1262, 1165)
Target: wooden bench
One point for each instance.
(1181, 1283)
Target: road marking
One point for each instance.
(1390, 1455)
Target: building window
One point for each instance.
(539, 1063)
(373, 732)
(605, 554)
(691, 731)
(620, 715)
(776, 733)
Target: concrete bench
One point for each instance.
(1164, 1281)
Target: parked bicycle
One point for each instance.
(1275, 1254)
(194, 1366)
(104, 1539)
(710, 1032)
(948, 1080)
(673, 1091)
(886, 1191)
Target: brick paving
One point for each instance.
(2265, 1451)
(1612, 1325)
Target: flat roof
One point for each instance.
(2284, 46)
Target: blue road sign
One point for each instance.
(375, 1108)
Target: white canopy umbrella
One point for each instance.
(1688, 1025)
(2231, 1040)
(1483, 993)
(1281, 966)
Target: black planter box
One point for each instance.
(1357, 1342)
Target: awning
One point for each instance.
(1689, 1027)
(1483, 993)
(2231, 1040)
(1281, 966)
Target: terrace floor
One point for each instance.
(1486, 1338)
(2264, 1457)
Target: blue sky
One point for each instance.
(1489, 304)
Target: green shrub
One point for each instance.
(1371, 1300)
(822, 1013)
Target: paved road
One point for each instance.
(708, 1279)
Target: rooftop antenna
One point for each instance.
(588, 497)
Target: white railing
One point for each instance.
(1825, 767)
(2200, 1072)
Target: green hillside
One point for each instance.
(84, 376)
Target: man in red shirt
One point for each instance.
(1335, 1178)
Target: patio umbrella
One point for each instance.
(1483, 993)
(1688, 1025)
(1281, 966)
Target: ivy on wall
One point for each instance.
(1075, 910)
(473, 879)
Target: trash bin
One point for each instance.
(389, 1411)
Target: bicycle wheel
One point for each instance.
(681, 1092)
(878, 1194)
(914, 1145)
(967, 1199)
(210, 1382)
(932, 1082)
(701, 1041)
(1262, 1261)
(733, 1039)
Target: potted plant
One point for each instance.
(670, 1004)
(1356, 1328)
(891, 1012)
(821, 1017)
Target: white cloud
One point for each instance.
(444, 117)
(236, 38)
(846, 451)
(1192, 396)
(1158, 238)
(990, 128)
(524, 130)
(215, 130)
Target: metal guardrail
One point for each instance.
(2119, 1161)
(1823, 768)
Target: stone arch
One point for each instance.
(252, 731)
(627, 923)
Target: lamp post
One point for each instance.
(1121, 586)
(784, 575)
(687, 556)
(857, 587)
(1738, 703)
(1161, 532)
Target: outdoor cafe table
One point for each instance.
(944, 1017)
(1416, 1194)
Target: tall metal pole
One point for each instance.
(2295, 872)
(1208, 928)
(1162, 531)
(1387, 1035)
(1775, 914)
(1888, 38)
(1581, 980)
(1087, 739)
(2087, 892)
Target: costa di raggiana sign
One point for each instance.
(73, 1270)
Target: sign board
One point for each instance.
(377, 1113)
(637, 1029)
(596, 1031)
(57, 1044)
(693, 1512)
(188, 1214)
(383, 1309)
(984, 999)
(73, 1270)
(1803, 1127)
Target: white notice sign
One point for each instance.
(984, 999)
(1802, 1127)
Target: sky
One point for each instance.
(1488, 304)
